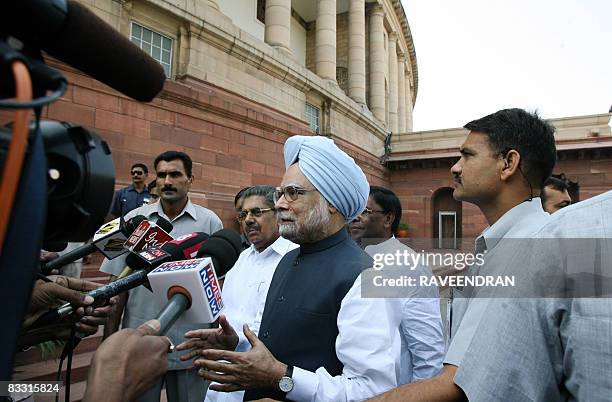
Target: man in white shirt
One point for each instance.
(318, 338)
(417, 307)
(504, 161)
(246, 284)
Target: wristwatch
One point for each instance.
(286, 382)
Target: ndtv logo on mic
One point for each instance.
(212, 289)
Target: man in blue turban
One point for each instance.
(318, 338)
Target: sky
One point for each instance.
(478, 56)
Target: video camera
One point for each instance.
(57, 178)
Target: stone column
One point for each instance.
(183, 51)
(325, 39)
(401, 96)
(278, 24)
(356, 52)
(392, 45)
(377, 63)
(409, 105)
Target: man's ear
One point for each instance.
(388, 221)
(190, 179)
(511, 163)
(332, 210)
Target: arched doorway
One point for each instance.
(447, 222)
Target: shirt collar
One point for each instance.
(326, 243)
(132, 188)
(280, 247)
(189, 210)
(520, 216)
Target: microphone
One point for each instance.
(108, 240)
(73, 34)
(191, 286)
(144, 261)
(188, 244)
(149, 234)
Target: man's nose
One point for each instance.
(281, 203)
(456, 169)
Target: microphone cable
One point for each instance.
(66, 353)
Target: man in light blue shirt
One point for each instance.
(504, 161)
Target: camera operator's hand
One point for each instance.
(49, 295)
(46, 256)
(127, 364)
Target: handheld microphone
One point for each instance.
(187, 244)
(178, 249)
(149, 234)
(73, 34)
(191, 286)
(108, 240)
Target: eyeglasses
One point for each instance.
(256, 212)
(367, 211)
(137, 173)
(290, 192)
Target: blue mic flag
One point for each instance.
(21, 252)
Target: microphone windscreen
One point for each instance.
(89, 44)
(164, 224)
(222, 252)
(232, 237)
(185, 247)
(132, 224)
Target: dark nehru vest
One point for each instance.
(299, 320)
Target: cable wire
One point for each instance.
(17, 148)
(38, 102)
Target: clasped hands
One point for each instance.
(212, 351)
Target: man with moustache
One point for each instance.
(174, 179)
(504, 161)
(318, 338)
(246, 284)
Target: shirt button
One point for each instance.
(281, 299)
(266, 334)
(296, 262)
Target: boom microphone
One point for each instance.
(73, 34)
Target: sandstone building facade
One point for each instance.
(244, 75)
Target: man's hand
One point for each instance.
(256, 368)
(440, 388)
(46, 256)
(49, 295)
(224, 338)
(127, 364)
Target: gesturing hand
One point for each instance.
(224, 337)
(235, 371)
